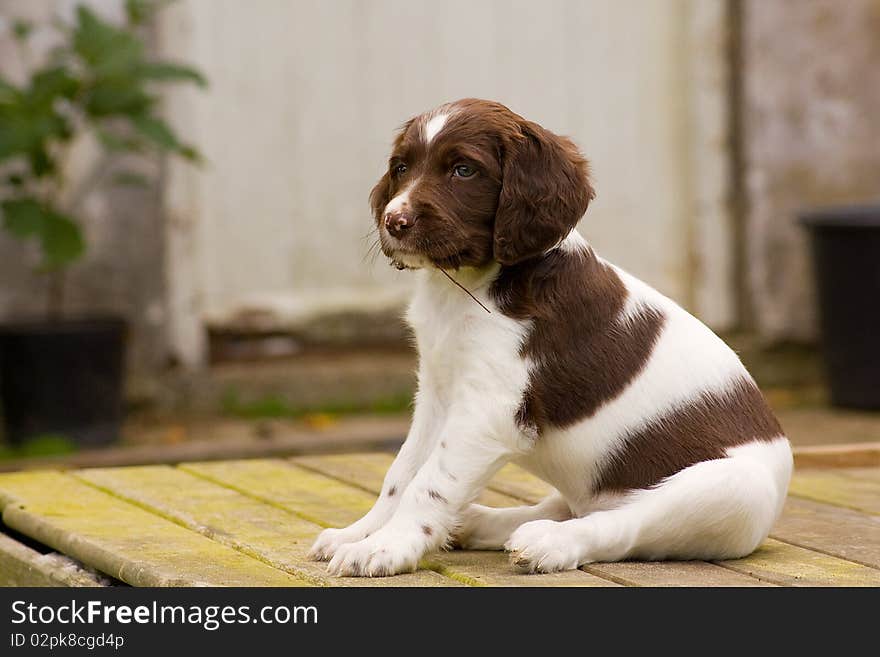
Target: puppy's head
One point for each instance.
(471, 182)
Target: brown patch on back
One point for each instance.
(582, 355)
(699, 431)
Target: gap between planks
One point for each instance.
(24, 566)
(96, 529)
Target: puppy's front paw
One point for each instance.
(380, 555)
(543, 546)
(329, 541)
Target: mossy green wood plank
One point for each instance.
(122, 540)
(865, 474)
(289, 487)
(485, 568)
(671, 573)
(267, 533)
(21, 565)
(791, 565)
(305, 494)
(477, 567)
(517, 482)
(831, 529)
(367, 471)
(338, 503)
(833, 487)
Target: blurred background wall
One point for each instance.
(810, 136)
(708, 123)
(306, 97)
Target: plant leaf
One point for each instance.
(13, 140)
(62, 241)
(8, 93)
(139, 12)
(171, 72)
(118, 143)
(41, 162)
(49, 84)
(22, 29)
(117, 96)
(157, 131)
(23, 217)
(190, 153)
(29, 119)
(108, 50)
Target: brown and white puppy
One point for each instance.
(656, 439)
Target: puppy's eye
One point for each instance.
(463, 171)
(399, 169)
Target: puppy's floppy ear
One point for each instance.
(380, 196)
(545, 191)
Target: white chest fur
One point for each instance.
(467, 356)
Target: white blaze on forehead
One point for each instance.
(434, 125)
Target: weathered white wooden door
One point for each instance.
(305, 96)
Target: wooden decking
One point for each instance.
(251, 522)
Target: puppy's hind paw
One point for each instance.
(542, 546)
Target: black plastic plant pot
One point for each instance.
(62, 378)
(846, 259)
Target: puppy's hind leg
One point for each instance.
(719, 509)
(488, 528)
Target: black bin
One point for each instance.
(63, 377)
(845, 244)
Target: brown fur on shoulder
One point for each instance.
(581, 355)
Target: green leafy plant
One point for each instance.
(44, 445)
(277, 406)
(100, 79)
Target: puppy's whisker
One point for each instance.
(372, 256)
(426, 244)
(467, 291)
(371, 253)
(375, 247)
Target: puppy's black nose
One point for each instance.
(397, 222)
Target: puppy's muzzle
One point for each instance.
(397, 223)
